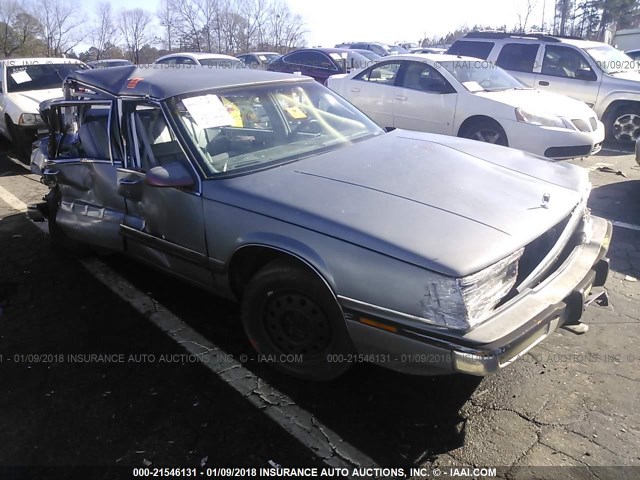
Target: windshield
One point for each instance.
(239, 130)
(479, 75)
(221, 62)
(39, 76)
(611, 60)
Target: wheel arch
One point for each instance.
(617, 104)
(249, 258)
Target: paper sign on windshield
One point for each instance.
(21, 77)
(295, 112)
(208, 111)
(473, 86)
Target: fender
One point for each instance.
(290, 246)
(603, 104)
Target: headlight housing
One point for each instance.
(463, 303)
(27, 119)
(525, 116)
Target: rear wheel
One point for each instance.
(485, 130)
(623, 125)
(53, 198)
(292, 318)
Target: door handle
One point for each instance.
(127, 182)
(544, 83)
(401, 98)
(355, 90)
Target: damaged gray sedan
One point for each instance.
(423, 253)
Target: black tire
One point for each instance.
(287, 310)
(623, 124)
(485, 130)
(58, 238)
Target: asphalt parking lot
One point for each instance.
(102, 364)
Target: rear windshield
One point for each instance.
(23, 78)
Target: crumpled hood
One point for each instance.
(448, 204)
(29, 101)
(538, 102)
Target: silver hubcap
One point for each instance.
(486, 135)
(626, 128)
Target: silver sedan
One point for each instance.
(422, 253)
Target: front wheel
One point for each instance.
(293, 320)
(623, 125)
(488, 131)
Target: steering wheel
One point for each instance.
(307, 126)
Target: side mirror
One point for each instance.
(585, 74)
(174, 174)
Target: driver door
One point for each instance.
(163, 225)
(83, 159)
(567, 71)
(424, 100)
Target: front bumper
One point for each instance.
(552, 142)
(510, 333)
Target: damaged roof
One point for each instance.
(164, 81)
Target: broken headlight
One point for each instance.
(463, 303)
(482, 291)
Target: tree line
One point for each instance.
(593, 18)
(30, 28)
(589, 19)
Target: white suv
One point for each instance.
(593, 72)
(24, 83)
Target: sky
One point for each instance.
(391, 21)
(334, 21)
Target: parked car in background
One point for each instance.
(376, 47)
(299, 209)
(258, 60)
(211, 60)
(407, 45)
(319, 63)
(428, 50)
(455, 95)
(372, 57)
(24, 83)
(634, 55)
(110, 62)
(593, 72)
